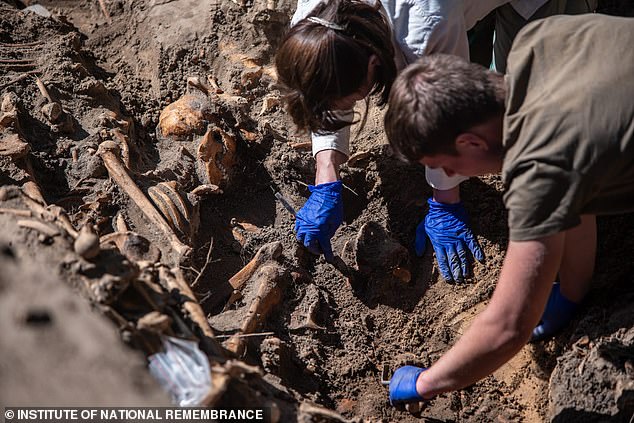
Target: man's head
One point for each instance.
(325, 67)
(446, 112)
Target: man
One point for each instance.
(560, 128)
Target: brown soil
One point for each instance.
(119, 73)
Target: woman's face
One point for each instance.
(348, 102)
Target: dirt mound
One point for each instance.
(54, 349)
(175, 202)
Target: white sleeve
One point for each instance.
(304, 7)
(339, 140)
(438, 179)
(429, 26)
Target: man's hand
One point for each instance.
(403, 385)
(446, 227)
(320, 217)
(557, 314)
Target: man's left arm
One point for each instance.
(504, 327)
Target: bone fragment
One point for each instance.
(251, 77)
(120, 224)
(52, 213)
(167, 198)
(155, 321)
(267, 252)
(14, 146)
(43, 90)
(214, 84)
(268, 103)
(59, 215)
(125, 146)
(52, 111)
(268, 295)
(21, 45)
(195, 82)
(310, 412)
(237, 235)
(30, 187)
(249, 227)
(248, 135)
(109, 152)
(104, 9)
(87, 242)
(16, 212)
(19, 78)
(301, 145)
(132, 245)
(310, 319)
(206, 189)
(42, 227)
(352, 161)
(174, 280)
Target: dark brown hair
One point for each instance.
(317, 65)
(437, 98)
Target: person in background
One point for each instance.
(565, 147)
(343, 51)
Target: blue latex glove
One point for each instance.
(320, 217)
(557, 314)
(403, 385)
(446, 225)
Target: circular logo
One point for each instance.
(8, 414)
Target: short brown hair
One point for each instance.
(437, 98)
(317, 65)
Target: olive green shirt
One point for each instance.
(569, 123)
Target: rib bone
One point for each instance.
(109, 153)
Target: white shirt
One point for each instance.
(421, 27)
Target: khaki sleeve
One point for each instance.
(541, 200)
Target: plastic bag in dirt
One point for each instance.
(183, 370)
(38, 9)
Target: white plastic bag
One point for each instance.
(183, 370)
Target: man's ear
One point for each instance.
(468, 141)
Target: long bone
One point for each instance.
(109, 153)
(269, 282)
